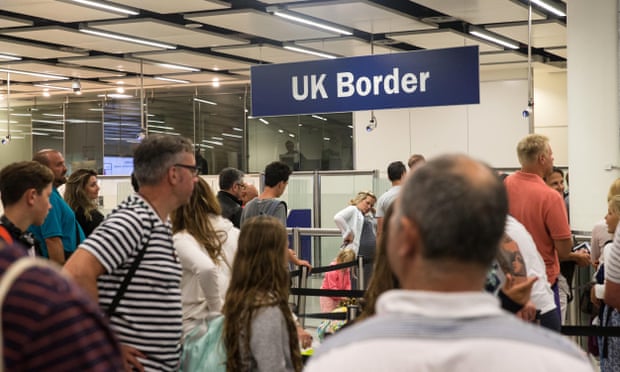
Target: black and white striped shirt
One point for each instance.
(149, 316)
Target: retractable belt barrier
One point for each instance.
(591, 331)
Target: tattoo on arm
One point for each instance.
(510, 258)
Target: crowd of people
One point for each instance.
(466, 268)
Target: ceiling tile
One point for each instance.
(6, 22)
(168, 6)
(119, 64)
(194, 59)
(203, 77)
(153, 29)
(46, 68)
(66, 36)
(31, 50)
(346, 46)
(57, 10)
(362, 15)
(136, 82)
(562, 52)
(502, 57)
(544, 35)
(254, 22)
(481, 11)
(442, 38)
(266, 53)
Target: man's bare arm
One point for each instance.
(55, 250)
(565, 253)
(84, 268)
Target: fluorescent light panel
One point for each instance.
(486, 35)
(553, 8)
(171, 80)
(204, 101)
(100, 5)
(178, 67)
(51, 86)
(308, 22)
(263, 121)
(127, 38)
(308, 51)
(231, 135)
(319, 117)
(9, 57)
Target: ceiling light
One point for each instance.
(319, 117)
(47, 86)
(217, 138)
(237, 129)
(263, 121)
(204, 101)
(216, 82)
(76, 86)
(280, 131)
(308, 51)
(308, 22)
(178, 67)
(37, 74)
(495, 38)
(46, 92)
(554, 8)
(213, 142)
(231, 135)
(120, 90)
(9, 57)
(171, 80)
(291, 135)
(161, 127)
(127, 38)
(100, 5)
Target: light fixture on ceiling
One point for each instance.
(263, 121)
(6, 139)
(204, 101)
(178, 67)
(309, 51)
(76, 86)
(48, 86)
(492, 37)
(162, 78)
(296, 18)
(216, 82)
(372, 123)
(36, 74)
(553, 7)
(104, 6)
(46, 92)
(129, 39)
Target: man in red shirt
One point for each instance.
(541, 209)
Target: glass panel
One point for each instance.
(306, 142)
(84, 133)
(47, 128)
(337, 191)
(121, 128)
(19, 145)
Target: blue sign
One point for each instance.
(409, 79)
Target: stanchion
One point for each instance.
(301, 300)
(353, 311)
(360, 272)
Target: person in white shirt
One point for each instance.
(206, 244)
(443, 237)
(350, 220)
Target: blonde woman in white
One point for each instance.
(206, 244)
(350, 220)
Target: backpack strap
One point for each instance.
(271, 209)
(9, 277)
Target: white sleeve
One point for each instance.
(197, 261)
(612, 259)
(341, 219)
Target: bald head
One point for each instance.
(54, 160)
(458, 207)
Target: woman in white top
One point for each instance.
(206, 244)
(350, 220)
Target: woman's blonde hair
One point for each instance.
(361, 196)
(260, 278)
(75, 192)
(193, 217)
(614, 189)
(614, 204)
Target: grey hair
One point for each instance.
(156, 154)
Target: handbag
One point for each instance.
(204, 350)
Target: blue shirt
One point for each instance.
(60, 222)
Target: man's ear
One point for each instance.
(410, 238)
(30, 196)
(173, 175)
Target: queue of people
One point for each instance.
(174, 256)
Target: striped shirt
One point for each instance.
(612, 259)
(149, 315)
(50, 324)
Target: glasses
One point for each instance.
(192, 168)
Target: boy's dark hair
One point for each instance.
(17, 178)
(396, 170)
(276, 172)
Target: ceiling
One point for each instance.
(207, 42)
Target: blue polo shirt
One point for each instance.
(60, 222)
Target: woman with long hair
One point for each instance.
(82, 194)
(205, 243)
(259, 331)
(350, 220)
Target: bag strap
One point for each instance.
(273, 206)
(4, 234)
(8, 278)
(130, 273)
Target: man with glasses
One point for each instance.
(148, 317)
(229, 196)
